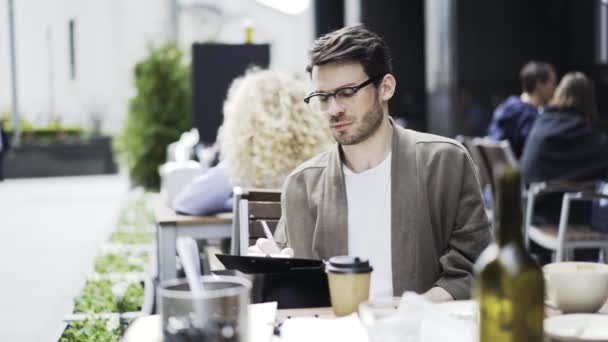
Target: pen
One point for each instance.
(270, 238)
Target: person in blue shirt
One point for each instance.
(513, 119)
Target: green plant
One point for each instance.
(130, 238)
(47, 135)
(92, 330)
(96, 296)
(137, 212)
(121, 263)
(158, 114)
(133, 298)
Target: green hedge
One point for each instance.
(92, 330)
(48, 134)
(97, 297)
(121, 263)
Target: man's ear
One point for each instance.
(387, 87)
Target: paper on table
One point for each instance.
(306, 329)
(261, 321)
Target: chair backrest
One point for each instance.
(480, 163)
(495, 154)
(251, 207)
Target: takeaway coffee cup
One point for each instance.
(349, 279)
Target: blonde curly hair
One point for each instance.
(268, 130)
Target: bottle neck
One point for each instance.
(508, 216)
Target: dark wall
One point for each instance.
(214, 67)
(329, 16)
(401, 23)
(495, 38)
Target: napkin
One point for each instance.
(307, 329)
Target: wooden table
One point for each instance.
(148, 328)
(170, 225)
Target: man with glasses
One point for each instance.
(408, 201)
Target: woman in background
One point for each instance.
(566, 145)
(267, 131)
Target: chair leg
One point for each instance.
(603, 257)
(559, 254)
(569, 255)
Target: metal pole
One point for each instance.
(51, 78)
(441, 66)
(15, 97)
(601, 32)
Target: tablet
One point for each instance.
(256, 264)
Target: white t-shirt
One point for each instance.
(369, 222)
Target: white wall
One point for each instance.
(111, 35)
(290, 36)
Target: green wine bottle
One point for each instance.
(509, 284)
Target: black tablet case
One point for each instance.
(292, 283)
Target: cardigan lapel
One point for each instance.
(405, 212)
(331, 237)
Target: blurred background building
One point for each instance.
(75, 58)
(454, 60)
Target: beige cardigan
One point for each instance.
(438, 222)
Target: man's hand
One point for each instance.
(438, 294)
(265, 247)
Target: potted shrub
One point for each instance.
(122, 262)
(158, 114)
(93, 330)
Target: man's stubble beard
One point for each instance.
(370, 123)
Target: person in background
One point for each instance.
(4, 147)
(267, 131)
(566, 145)
(409, 202)
(513, 119)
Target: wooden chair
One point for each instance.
(251, 207)
(495, 154)
(480, 163)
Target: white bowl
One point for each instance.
(576, 286)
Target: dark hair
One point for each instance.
(575, 93)
(353, 43)
(532, 73)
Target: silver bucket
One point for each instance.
(219, 315)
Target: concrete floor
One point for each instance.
(51, 230)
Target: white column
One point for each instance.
(15, 97)
(441, 68)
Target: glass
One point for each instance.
(319, 101)
(509, 283)
(220, 315)
(383, 323)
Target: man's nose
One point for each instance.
(334, 108)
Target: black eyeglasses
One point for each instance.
(319, 101)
